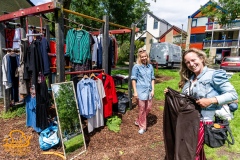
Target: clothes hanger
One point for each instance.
(79, 27)
(85, 76)
(92, 76)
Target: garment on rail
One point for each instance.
(111, 95)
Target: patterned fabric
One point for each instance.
(78, 46)
(200, 154)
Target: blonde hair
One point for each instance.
(140, 51)
(184, 72)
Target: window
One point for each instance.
(199, 21)
(194, 22)
(155, 24)
(144, 27)
(230, 35)
(177, 39)
(196, 38)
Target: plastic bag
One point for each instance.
(49, 137)
(123, 102)
(224, 113)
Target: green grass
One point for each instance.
(173, 83)
(17, 111)
(74, 143)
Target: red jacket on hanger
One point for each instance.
(110, 91)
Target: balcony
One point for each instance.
(216, 26)
(220, 43)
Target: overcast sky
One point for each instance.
(175, 12)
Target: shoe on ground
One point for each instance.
(141, 131)
(136, 123)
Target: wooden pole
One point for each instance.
(131, 59)
(105, 45)
(59, 32)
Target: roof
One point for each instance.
(174, 28)
(205, 5)
(15, 5)
(155, 17)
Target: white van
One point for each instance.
(165, 54)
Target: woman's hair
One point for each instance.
(184, 72)
(140, 51)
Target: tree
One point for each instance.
(229, 10)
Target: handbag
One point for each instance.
(216, 134)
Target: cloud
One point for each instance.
(175, 12)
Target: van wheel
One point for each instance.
(172, 64)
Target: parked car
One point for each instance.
(230, 63)
(166, 54)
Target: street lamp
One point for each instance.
(181, 36)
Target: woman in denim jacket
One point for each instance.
(143, 88)
(210, 87)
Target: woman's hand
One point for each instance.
(205, 102)
(152, 93)
(165, 91)
(135, 95)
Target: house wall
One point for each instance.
(200, 29)
(163, 28)
(196, 45)
(150, 22)
(189, 33)
(169, 37)
(149, 37)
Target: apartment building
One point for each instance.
(207, 34)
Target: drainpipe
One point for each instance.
(238, 42)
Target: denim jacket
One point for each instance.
(143, 74)
(212, 83)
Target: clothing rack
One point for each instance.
(80, 24)
(13, 23)
(87, 71)
(11, 49)
(35, 27)
(57, 8)
(34, 34)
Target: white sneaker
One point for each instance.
(141, 131)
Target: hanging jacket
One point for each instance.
(110, 91)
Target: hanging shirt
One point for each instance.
(78, 46)
(94, 50)
(88, 97)
(44, 49)
(5, 72)
(17, 38)
(97, 120)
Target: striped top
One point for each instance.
(78, 46)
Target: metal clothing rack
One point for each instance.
(84, 72)
(11, 49)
